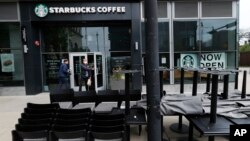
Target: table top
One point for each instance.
(213, 71)
(127, 71)
(165, 69)
(81, 97)
(137, 116)
(203, 125)
(240, 120)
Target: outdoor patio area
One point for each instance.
(12, 107)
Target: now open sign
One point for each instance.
(217, 60)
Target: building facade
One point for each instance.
(36, 36)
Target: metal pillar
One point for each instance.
(208, 82)
(243, 92)
(182, 81)
(127, 106)
(214, 98)
(152, 71)
(225, 90)
(236, 79)
(195, 83)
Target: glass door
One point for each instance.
(99, 71)
(75, 60)
(95, 60)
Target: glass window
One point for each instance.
(185, 58)
(162, 9)
(56, 39)
(163, 36)
(231, 57)
(217, 9)
(8, 11)
(218, 35)
(185, 36)
(186, 9)
(119, 38)
(11, 55)
(110, 41)
(164, 62)
(51, 64)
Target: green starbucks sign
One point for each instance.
(41, 10)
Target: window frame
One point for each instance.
(234, 9)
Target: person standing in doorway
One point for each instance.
(64, 73)
(85, 75)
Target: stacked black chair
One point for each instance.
(35, 122)
(70, 124)
(42, 106)
(107, 127)
(31, 132)
(47, 122)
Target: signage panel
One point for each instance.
(189, 60)
(80, 11)
(7, 62)
(214, 60)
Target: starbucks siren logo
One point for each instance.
(41, 10)
(188, 61)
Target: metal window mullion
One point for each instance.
(171, 41)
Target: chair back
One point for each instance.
(39, 111)
(37, 116)
(74, 111)
(32, 128)
(36, 135)
(34, 122)
(80, 135)
(71, 121)
(42, 106)
(68, 128)
(97, 116)
(107, 122)
(72, 116)
(61, 95)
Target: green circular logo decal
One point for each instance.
(41, 10)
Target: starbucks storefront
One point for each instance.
(106, 34)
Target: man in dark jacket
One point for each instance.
(64, 73)
(85, 75)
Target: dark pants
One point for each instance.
(85, 80)
(63, 83)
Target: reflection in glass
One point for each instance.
(107, 40)
(163, 29)
(55, 39)
(51, 64)
(188, 75)
(218, 35)
(11, 55)
(99, 70)
(164, 62)
(185, 35)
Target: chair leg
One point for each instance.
(211, 138)
(190, 136)
(140, 128)
(15, 136)
(127, 133)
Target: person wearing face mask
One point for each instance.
(85, 75)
